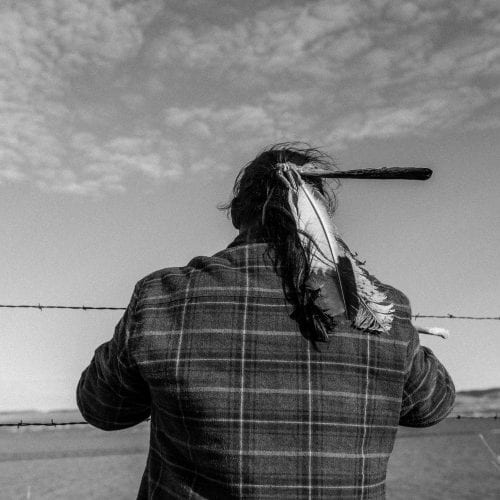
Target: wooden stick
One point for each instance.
(410, 173)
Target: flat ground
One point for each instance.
(445, 462)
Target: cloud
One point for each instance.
(94, 93)
(377, 68)
(238, 119)
(442, 110)
(46, 48)
(105, 165)
(273, 39)
(211, 135)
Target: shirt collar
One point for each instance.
(248, 236)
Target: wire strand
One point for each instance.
(52, 423)
(105, 308)
(453, 316)
(84, 308)
(43, 424)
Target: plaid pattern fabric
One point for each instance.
(241, 405)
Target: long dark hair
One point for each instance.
(260, 204)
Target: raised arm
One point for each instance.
(429, 392)
(111, 393)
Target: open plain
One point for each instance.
(447, 462)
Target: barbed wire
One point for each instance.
(41, 308)
(106, 308)
(41, 424)
(21, 423)
(453, 316)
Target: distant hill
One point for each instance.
(477, 403)
(472, 403)
(493, 392)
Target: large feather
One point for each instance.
(337, 284)
(314, 221)
(324, 297)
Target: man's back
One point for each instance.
(242, 405)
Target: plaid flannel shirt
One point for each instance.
(241, 405)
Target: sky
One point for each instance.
(124, 123)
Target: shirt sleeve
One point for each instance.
(429, 393)
(111, 393)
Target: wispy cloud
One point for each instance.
(440, 109)
(94, 92)
(104, 165)
(368, 69)
(220, 131)
(47, 48)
